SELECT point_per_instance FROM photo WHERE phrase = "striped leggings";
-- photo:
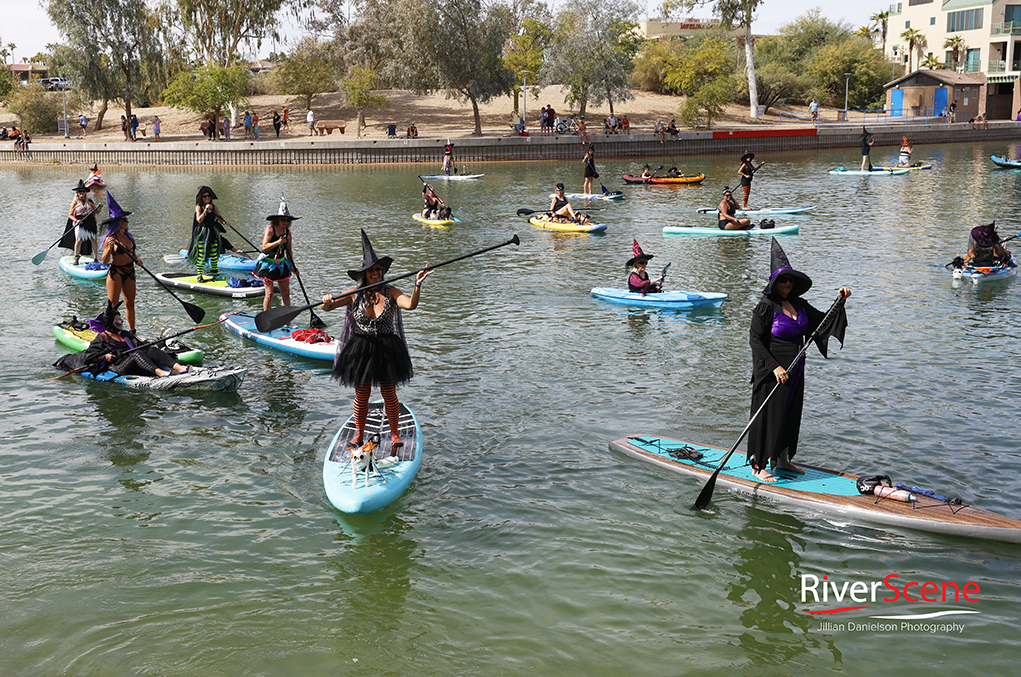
(390, 404)
(213, 255)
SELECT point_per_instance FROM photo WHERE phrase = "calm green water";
(168, 534)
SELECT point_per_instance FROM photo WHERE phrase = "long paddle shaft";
(38, 258)
(706, 494)
(653, 174)
(194, 312)
(314, 321)
(271, 319)
(528, 212)
(589, 163)
(250, 243)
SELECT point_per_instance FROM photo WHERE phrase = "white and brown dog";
(361, 460)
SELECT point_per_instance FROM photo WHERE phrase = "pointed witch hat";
(114, 209)
(369, 259)
(985, 236)
(639, 257)
(780, 266)
(283, 212)
(81, 187)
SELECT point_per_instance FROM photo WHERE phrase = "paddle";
(143, 345)
(528, 212)
(314, 321)
(38, 258)
(271, 319)
(194, 312)
(706, 494)
(648, 177)
(255, 247)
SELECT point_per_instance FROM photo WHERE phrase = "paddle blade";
(521, 212)
(515, 240)
(316, 322)
(705, 495)
(274, 318)
(38, 258)
(194, 312)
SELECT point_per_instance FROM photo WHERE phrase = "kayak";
(676, 300)
(197, 378)
(765, 211)
(439, 223)
(79, 339)
(80, 271)
(918, 166)
(346, 489)
(875, 172)
(1006, 163)
(979, 274)
(616, 195)
(690, 230)
(228, 261)
(452, 177)
(821, 490)
(669, 180)
(282, 339)
(218, 287)
(545, 223)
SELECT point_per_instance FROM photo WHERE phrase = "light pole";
(847, 83)
(63, 91)
(524, 100)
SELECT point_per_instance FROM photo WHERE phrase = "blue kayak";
(82, 270)
(282, 339)
(677, 300)
(357, 491)
(979, 274)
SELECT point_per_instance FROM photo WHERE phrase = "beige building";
(926, 93)
(658, 28)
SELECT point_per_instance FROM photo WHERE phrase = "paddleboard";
(546, 224)
(688, 230)
(452, 177)
(1006, 163)
(438, 223)
(665, 180)
(79, 339)
(820, 490)
(677, 300)
(979, 274)
(197, 378)
(874, 172)
(765, 211)
(912, 168)
(218, 287)
(79, 271)
(227, 261)
(616, 195)
(346, 490)
(243, 324)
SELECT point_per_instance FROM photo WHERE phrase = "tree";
(932, 62)
(524, 52)
(699, 67)
(127, 44)
(868, 67)
(882, 20)
(956, 44)
(868, 32)
(217, 28)
(915, 38)
(358, 89)
(457, 46)
(209, 90)
(312, 68)
(778, 84)
(708, 103)
(733, 14)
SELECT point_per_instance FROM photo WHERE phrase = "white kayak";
(452, 177)
(691, 230)
(765, 211)
(979, 274)
(616, 195)
(875, 172)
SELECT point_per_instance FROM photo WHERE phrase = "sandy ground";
(435, 115)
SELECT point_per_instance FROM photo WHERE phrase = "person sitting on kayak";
(985, 249)
(638, 280)
(727, 210)
(433, 203)
(560, 208)
(674, 173)
(112, 350)
(646, 172)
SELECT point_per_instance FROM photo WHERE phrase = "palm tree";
(882, 19)
(956, 44)
(914, 38)
(869, 33)
(931, 62)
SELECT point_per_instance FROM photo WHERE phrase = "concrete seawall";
(335, 151)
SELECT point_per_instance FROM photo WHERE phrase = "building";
(656, 29)
(989, 33)
(25, 72)
(927, 92)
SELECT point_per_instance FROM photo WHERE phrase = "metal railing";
(924, 115)
(1005, 28)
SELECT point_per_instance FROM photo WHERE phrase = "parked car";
(55, 84)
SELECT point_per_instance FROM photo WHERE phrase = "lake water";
(163, 533)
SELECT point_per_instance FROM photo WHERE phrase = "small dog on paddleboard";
(361, 460)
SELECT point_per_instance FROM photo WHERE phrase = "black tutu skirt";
(383, 359)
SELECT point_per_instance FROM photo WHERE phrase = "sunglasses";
(785, 279)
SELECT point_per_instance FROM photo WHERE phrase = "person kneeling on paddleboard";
(434, 206)
(638, 281)
(372, 349)
(561, 210)
(985, 249)
(780, 323)
(728, 210)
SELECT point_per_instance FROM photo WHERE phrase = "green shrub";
(37, 109)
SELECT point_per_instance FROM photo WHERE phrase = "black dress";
(373, 348)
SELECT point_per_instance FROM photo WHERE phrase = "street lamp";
(847, 83)
(63, 90)
(524, 100)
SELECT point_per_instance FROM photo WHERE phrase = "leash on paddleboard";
(274, 318)
(706, 494)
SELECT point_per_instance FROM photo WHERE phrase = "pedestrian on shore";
(310, 118)
(255, 126)
(83, 122)
(672, 130)
(248, 125)
(660, 131)
(583, 131)
(226, 128)
(124, 128)
(551, 119)
(156, 127)
(134, 127)
(813, 108)
(286, 118)
(276, 123)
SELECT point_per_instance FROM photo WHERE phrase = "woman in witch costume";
(277, 265)
(372, 348)
(207, 240)
(119, 253)
(985, 249)
(638, 281)
(81, 231)
(780, 324)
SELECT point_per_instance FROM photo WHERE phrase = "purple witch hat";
(985, 236)
(114, 209)
(779, 265)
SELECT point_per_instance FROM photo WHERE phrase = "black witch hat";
(369, 259)
(81, 187)
(779, 265)
(639, 255)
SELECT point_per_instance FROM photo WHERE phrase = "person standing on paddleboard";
(278, 263)
(590, 169)
(638, 281)
(119, 253)
(780, 323)
(81, 224)
(747, 171)
(866, 149)
(372, 350)
(207, 240)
